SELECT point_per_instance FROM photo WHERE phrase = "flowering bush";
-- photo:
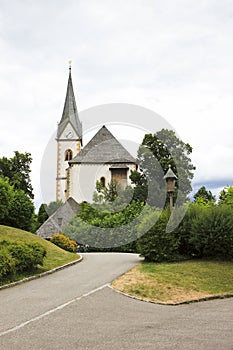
(64, 242)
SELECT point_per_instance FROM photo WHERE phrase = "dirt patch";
(140, 285)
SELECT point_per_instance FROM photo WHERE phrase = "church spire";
(70, 113)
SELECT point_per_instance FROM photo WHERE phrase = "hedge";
(17, 257)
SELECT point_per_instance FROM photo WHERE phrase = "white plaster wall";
(63, 145)
(83, 179)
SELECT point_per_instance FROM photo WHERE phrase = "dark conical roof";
(103, 148)
(70, 112)
(170, 174)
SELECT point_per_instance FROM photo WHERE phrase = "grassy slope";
(177, 282)
(55, 256)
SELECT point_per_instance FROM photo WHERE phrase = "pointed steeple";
(70, 112)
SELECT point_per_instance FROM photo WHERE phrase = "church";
(102, 159)
(80, 166)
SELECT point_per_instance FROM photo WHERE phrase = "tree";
(53, 206)
(202, 195)
(46, 210)
(226, 195)
(17, 170)
(21, 210)
(108, 193)
(6, 194)
(156, 153)
(42, 214)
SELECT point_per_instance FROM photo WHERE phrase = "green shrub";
(158, 245)
(105, 225)
(26, 256)
(7, 263)
(212, 232)
(64, 242)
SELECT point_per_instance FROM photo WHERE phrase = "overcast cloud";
(173, 57)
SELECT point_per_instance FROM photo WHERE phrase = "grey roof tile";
(103, 148)
(67, 211)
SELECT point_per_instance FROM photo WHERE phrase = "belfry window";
(68, 154)
(102, 181)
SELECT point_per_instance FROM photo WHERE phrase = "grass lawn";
(55, 256)
(177, 282)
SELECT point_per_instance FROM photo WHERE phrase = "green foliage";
(141, 189)
(202, 195)
(212, 232)
(7, 263)
(17, 170)
(156, 244)
(16, 208)
(105, 225)
(53, 206)
(26, 256)
(64, 242)
(21, 210)
(45, 211)
(17, 257)
(207, 232)
(6, 194)
(108, 193)
(156, 153)
(42, 214)
(226, 196)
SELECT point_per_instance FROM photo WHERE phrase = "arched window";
(68, 154)
(102, 181)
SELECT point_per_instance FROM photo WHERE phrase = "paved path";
(75, 309)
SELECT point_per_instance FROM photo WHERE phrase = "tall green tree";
(204, 195)
(157, 152)
(17, 170)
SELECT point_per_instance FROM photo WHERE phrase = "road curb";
(41, 274)
(187, 302)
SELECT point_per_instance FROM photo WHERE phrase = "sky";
(174, 57)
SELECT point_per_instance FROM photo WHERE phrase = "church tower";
(69, 140)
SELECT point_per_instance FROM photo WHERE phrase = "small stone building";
(59, 219)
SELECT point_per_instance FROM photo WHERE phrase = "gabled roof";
(70, 113)
(103, 148)
(67, 211)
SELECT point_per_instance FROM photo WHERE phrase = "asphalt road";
(75, 309)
